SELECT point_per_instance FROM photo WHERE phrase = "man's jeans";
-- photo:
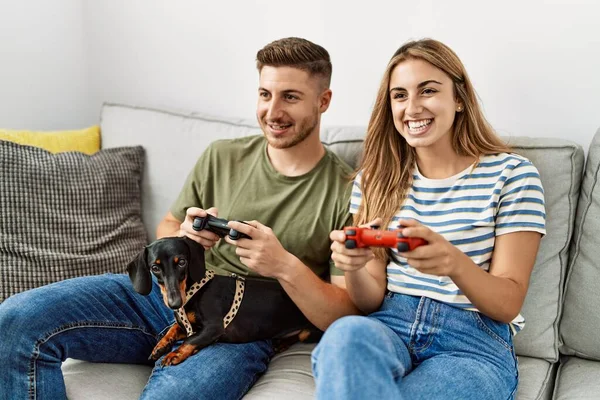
(416, 348)
(102, 319)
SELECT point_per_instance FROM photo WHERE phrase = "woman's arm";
(499, 293)
(366, 286)
(365, 275)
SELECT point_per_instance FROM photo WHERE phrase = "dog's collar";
(235, 306)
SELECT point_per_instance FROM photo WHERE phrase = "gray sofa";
(559, 349)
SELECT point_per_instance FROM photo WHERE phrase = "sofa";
(559, 348)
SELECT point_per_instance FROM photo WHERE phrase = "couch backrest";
(580, 325)
(560, 163)
(174, 140)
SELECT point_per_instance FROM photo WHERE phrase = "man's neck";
(299, 159)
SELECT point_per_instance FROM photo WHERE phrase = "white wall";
(534, 63)
(43, 82)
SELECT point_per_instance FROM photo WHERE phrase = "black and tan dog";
(211, 308)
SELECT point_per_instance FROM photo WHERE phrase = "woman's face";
(423, 104)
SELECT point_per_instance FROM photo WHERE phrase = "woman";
(440, 317)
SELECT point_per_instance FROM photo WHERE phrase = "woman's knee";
(349, 335)
(352, 328)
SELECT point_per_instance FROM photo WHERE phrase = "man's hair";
(297, 53)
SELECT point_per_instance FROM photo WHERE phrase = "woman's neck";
(441, 163)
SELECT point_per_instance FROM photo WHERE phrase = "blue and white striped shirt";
(501, 194)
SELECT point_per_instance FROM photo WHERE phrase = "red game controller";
(357, 237)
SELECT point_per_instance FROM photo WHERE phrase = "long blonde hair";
(388, 161)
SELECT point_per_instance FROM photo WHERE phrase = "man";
(290, 189)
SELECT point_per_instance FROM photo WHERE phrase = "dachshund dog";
(210, 307)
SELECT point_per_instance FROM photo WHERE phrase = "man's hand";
(263, 254)
(205, 237)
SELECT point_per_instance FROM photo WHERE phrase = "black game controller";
(218, 226)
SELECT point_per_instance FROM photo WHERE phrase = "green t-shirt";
(237, 178)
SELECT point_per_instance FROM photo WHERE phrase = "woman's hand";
(349, 260)
(439, 257)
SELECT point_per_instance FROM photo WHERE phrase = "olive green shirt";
(237, 178)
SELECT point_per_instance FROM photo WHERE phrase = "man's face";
(290, 103)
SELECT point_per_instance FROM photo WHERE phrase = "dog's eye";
(155, 268)
(182, 262)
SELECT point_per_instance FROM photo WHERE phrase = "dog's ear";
(196, 264)
(139, 273)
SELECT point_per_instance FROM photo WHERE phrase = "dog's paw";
(180, 355)
(158, 352)
(173, 358)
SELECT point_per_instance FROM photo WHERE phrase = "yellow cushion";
(85, 140)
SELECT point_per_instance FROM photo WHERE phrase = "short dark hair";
(297, 53)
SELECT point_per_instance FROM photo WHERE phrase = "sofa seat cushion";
(289, 376)
(577, 379)
(93, 381)
(536, 379)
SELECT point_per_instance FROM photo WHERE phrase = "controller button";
(351, 232)
(402, 247)
(350, 244)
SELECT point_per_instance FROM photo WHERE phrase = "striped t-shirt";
(501, 194)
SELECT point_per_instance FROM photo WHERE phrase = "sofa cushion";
(577, 379)
(581, 320)
(560, 163)
(536, 379)
(289, 376)
(67, 214)
(92, 381)
(84, 140)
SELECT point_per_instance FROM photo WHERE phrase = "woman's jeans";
(416, 348)
(102, 319)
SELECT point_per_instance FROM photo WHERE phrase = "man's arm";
(321, 302)
(169, 226)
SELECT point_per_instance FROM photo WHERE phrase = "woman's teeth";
(418, 126)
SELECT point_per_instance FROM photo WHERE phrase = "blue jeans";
(102, 319)
(416, 348)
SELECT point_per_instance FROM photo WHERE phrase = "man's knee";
(16, 321)
(9, 313)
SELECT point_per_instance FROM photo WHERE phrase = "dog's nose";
(175, 304)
